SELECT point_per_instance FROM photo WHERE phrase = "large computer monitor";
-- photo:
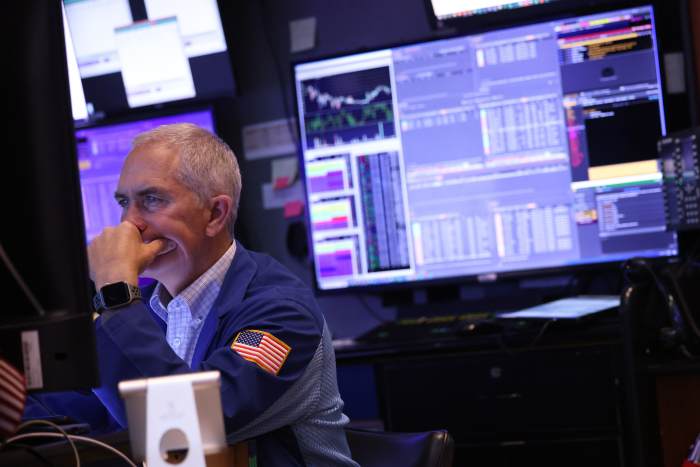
(50, 336)
(140, 53)
(522, 149)
(452, 9)
(481, 15)
(101, 153)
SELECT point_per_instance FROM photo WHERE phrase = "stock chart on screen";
(348, 107)
(532, 147)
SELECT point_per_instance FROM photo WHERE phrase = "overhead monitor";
(517, 150)
(101, 154)
(448, 9)
(146, 52)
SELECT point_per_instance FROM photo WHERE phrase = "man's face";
(160, 206)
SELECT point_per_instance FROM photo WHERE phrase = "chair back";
(386, 449)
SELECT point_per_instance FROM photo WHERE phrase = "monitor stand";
(172, 426)
(177, 419)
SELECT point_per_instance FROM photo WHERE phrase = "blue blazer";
(295, 416)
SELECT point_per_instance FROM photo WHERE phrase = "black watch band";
(115, 295)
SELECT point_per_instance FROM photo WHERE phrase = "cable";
(32, 450)
(683, 305)
(679, 316)
(57, 427)
(73, 438)
(691, 331)
(503, 345)
(23, 285)
(38, 400)
(690, 259)
(280, 75)
(541, 332)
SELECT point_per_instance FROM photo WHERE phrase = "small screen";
(136, 53)
(567, 308)
(101, 154)
(524, 148)
(448, 9)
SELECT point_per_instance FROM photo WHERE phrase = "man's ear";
(219, 214)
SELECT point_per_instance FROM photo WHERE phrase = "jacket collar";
(235, 285)
(233, 289)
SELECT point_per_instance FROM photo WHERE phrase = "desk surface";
(91, 455)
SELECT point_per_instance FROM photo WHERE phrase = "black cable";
(688, 318)
(278, 70)
(511, 351)
(20, 281)
(30, 449)
(73, 439)
(53, 425)
(504, 346)
(690, 259)
(41, 403)
(540, 333)
(678, 312)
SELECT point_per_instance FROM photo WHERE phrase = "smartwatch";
(115, 295)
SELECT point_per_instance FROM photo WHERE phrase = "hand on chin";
(161, 259)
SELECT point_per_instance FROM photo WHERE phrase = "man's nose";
(132, 215)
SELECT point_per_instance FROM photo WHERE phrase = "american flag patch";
(13, 394)
(261, 348)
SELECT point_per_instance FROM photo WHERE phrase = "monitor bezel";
(151, 113)
(100, 115)
(485, 278)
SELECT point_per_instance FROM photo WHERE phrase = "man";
(216, 306)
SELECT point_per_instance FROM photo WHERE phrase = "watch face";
(115, 294)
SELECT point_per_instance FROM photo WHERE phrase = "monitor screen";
(137, 53)
(518, 149)
(77, 96)
(449, 9)
(101, 153)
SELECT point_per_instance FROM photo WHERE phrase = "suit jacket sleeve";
(131, 344)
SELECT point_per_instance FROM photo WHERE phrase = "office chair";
(386, 449)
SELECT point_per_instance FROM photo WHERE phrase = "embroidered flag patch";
(13, 395)
(261, 348)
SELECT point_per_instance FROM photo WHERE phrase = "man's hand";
(119, 254)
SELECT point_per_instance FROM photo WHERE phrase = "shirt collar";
(200, 295)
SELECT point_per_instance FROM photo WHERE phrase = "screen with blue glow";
(448, 9)
(518, 149)
(101, 154)
(138, 53)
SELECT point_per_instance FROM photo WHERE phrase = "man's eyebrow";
(151, 190)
